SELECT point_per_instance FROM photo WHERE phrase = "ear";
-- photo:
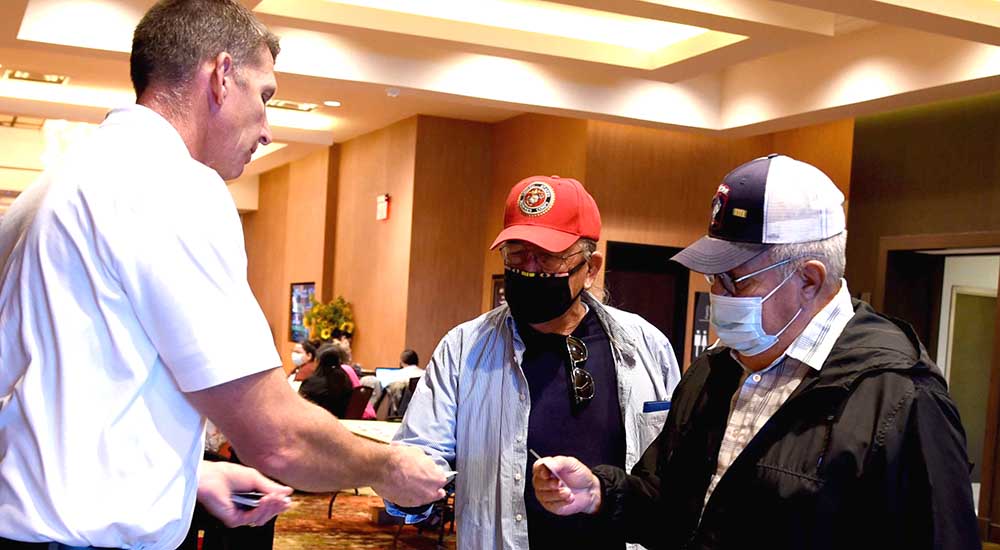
(221, 78)
(593, 268)
(813, 274)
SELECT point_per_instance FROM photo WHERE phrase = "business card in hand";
(250, 499)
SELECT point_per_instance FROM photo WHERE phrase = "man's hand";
(564, 486)
(219, 480)
(411, 478)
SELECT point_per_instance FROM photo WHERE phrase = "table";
(376, 430)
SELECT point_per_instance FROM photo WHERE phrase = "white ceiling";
(752, 66)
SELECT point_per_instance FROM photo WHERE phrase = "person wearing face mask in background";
(553, 370)
(304, 363)
(814, 422)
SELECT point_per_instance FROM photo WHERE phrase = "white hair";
(830, 251)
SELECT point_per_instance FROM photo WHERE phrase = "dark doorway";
(641, 279)
(913, 292)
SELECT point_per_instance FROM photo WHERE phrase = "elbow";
(276, 460)
(278, 463)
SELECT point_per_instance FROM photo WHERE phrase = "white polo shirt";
(123, 286)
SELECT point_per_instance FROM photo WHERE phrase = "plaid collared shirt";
(762, 393)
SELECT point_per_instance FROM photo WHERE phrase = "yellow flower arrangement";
(324, 320)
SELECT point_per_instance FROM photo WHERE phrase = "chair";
(355, 409)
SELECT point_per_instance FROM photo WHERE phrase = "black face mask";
(536, 298)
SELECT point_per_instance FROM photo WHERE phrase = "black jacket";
(868, 452)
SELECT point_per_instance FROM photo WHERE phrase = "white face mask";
(298, 359)
(739, 322)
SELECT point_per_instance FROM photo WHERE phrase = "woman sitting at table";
(330, 386)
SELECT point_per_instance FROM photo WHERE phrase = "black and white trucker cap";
(770, 200)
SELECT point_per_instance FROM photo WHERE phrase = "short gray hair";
(176, 36)
(832, 252)
(588, 246)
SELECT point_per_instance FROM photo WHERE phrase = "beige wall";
(285, 239)
(372, 258)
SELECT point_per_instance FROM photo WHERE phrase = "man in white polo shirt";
(126, 317)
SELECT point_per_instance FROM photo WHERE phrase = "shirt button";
(517, 439)
(523, 397)
(518, 517)
(756, 378)
(517, 477)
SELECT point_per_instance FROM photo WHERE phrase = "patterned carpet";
(305, 526)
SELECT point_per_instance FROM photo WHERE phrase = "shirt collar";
(814, 344)
(153, 122)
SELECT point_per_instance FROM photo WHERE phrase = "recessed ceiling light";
(17, 74)
(332, 103)
(292, 105)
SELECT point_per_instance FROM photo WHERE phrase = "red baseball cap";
(550, 212)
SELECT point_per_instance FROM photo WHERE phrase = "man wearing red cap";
(554, 371)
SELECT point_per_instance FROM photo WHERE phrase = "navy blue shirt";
(593, 432)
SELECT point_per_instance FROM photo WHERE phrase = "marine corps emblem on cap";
(536, 199)
(718, 205)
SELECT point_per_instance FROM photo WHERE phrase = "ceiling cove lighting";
(547, 18)
(292, 105)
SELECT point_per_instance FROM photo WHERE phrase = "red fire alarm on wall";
(382, 207)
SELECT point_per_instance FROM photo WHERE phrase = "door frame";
(989, 493)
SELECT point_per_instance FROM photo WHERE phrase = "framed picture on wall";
(498, 292)
(301, 301)
(699, 329)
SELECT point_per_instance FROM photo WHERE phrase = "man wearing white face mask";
(814, 422)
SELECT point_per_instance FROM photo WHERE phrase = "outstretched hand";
(564, 486)
(219, 480)
(411, 478)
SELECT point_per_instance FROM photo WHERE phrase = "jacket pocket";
(650, 425)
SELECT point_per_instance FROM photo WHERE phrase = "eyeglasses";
(729, 283)
(516, 256)
(580, 380)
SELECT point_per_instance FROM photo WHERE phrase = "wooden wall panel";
(656, 186)
(451, 187)
(285, 239)
(825, 146)
(371, 262)
(264, 232)
(932, 169)
(523, 146)
(330, 223)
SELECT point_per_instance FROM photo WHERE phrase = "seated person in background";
(304, 359)
(391, 401)
(409, 365)
(343, 339)
(330, 386)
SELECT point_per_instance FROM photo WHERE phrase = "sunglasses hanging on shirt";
(581, 381)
